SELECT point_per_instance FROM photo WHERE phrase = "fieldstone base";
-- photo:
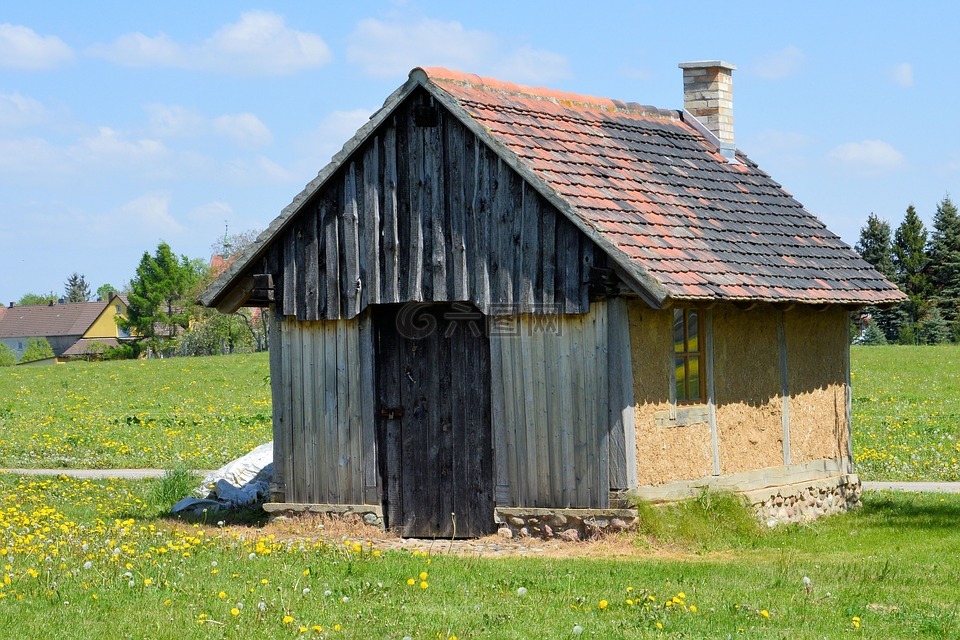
(370, 514)
(566, 524)
(803, 502)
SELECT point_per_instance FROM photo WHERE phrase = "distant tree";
(76, 288)
(871, 335)
(104, 291)
(875, 247)
(911, 263)
(7, 357)
(159, 294)
(232, 244)
(944, 253)
(37, 349)
(933, 329)
(28, 299)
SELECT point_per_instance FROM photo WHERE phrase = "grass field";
(84, 559)
(201, 412)
(906, 412)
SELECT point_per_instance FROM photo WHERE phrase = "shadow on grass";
(916, 511)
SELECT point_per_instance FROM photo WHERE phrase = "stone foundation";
(565, 524)
(370, 514)
(807, 501)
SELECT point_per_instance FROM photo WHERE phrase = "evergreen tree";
(945, 262)
(911, 263)
(76, 288)
(158, 297)
(874, 245)
(933, 329)
(876, 248)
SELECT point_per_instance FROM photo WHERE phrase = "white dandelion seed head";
(806, 581)
(87, 565)
(577, 629)
(522, 591)
(327, 593)
(262, 605)
(306, 590)
(131, 583)
(345, 599)
(213, 564)
(252, 556)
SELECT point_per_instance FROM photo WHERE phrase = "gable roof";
(649, 186)
(42, 320)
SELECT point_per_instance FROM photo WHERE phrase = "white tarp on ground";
(236, 484)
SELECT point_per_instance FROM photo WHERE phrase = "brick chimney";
(708, 96)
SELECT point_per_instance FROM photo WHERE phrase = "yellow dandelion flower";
(222, 595)
(423, 584)
(693, 608)
(317, 628)
(287, 619)
(234, 611)
(336, 627)
(306, 572)
(423, 575)
(764, 613)
(602, 605)
(411, 581)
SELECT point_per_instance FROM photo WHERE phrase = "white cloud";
(260, 43)
(868, 156)
(212, 212)
(175, 121)
(385, 49)
(111, 146)
(774, 65)
(150, 212)
(245, 129)
(17, 111)
(902, 74)
(22, 48)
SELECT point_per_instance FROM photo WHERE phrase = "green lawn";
(201, 412)
(84, 559)
(906, 412)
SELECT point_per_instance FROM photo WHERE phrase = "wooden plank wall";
(562, 409)
(324, 442)
(426, 212)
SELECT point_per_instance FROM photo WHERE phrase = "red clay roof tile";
(663, 195)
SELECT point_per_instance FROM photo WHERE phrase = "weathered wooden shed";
(500, 303)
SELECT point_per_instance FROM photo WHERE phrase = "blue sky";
(132, 123)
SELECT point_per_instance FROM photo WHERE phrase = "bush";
(37, 349)
(7, 357)
(176, 484)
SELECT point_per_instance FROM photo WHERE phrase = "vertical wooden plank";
(456, 185)
(480, 211)
(553, 405)
(548, 259)
(391, 238)
(526, 407)
(568, 263)
(711, 397)
(330, 412)
(413, 262)
(311, 265)
(848, 463)
(586, 266)
(370, 264)
(321, 453)
(784, 387)
(351, 246)
(368, 408)
(343, 419)
(307, 442)
(566, 363)
(578, 379)
(623, 455)
(331, 247)
(436, 213)
(289, 273)
(516, 479)
(501, 238)
(354, 411)
(601, 397)
(538, 365)
(297, 402)
(281, 424)
(504, 494)
(529, 249)
(387, 350)
(443, 383)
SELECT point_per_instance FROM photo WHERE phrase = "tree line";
(163, 317)
(926, 267)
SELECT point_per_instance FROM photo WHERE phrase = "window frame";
(686, 354)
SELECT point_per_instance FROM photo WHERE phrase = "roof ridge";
(439, 75)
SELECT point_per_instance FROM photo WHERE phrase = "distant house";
(74, 329)
(508, 306)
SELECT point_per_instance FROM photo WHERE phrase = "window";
(689, 360)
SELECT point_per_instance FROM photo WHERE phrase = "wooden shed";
(506, 304)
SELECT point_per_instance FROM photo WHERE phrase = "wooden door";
(434, 435)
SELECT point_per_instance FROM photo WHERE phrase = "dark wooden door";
(434, 435)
